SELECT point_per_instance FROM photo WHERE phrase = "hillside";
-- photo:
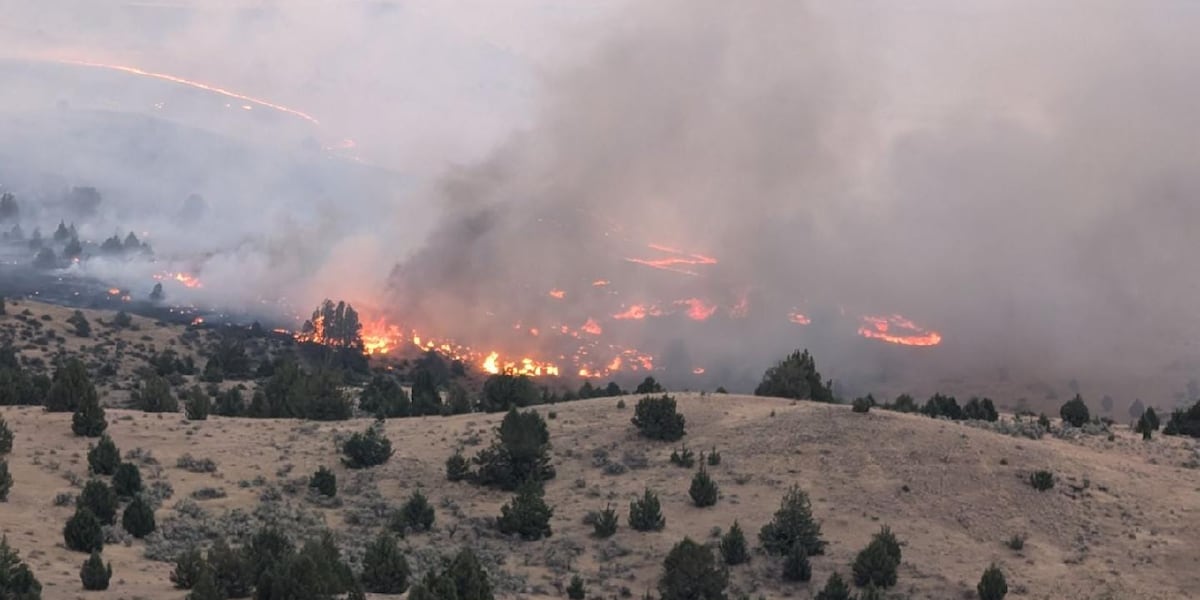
(1123, 522)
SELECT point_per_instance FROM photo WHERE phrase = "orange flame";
(676, 261)
(698, 310)
(637, 312)
(592, 327)
(799, 318)
(880, 328)
(188, 281)
(557, 293)
(600, 282)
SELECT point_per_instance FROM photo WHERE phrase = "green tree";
(94, 573)
(703, 490)
(604, 523)
(17, 581)
(1075, 412)
(324, 481)
(127, 481)
(155, 396)
(425, 397)
(70, 388)
(189, 566)
(384, 569)
(6, 437)
(83, 532)
(657, 419)
(527, 514)
(367, 449)
(875, 565)
(835, 589)
(383, 397)
(417, 514)
(469, 577)
(458, 467)
(197, 404)
(6, 481)
(733, 546)
(796, 566)
(690, 572)
(100, 499)
(796, 377)
(1151, 418)
(649, 386)
(80, 322)
(232, 571)
(205, 587)
(980, 409)
(138, 518)
(1041, 480)
(992, 585)
(505, 391)
(520, 452)
(576, 591)
(88, 420)
(104, 457)
(940, 405)
(230, 403)
(793, 525)
(645, 513)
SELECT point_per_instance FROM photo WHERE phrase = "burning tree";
(336, 326)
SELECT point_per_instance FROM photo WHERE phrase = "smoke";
(1018, 176)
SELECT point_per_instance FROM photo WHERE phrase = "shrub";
(88, 420)
(876, 564)
(690, 572)
(367, 449)
(232, 571)
(1041, 480)
(835, 589)
(206, 587)
(417, 514)
(384, 569)
(83, 532)
(104, 457)
(649, 386)
(520, 452)
(17, 581)
(904, 403)
(188, 567)
(703, 489)
(604, 523)
(1074, 412)
(196, 465)
(1016, 542)
(657, 419)
(733, 546)
(266, 548)
(980, 409)
(861, 405)
(94, 574)
(714, 457)
(992, 585)
(684, 457)
(155, 396)
(940, 405)
(576, 591)
(796, 377)
(197, 404)
(527, 514)
(506, 391)
(6, 481)
(458, 467)
(871, 593)
(6, 437)
(383, 397)
(796, 566)
(889, 542)
(1151, 418)
(138, 518)
(127, 481)
(793, 525)
(645, 513)
(1144, 427)
(324, 481)
(100, 499)
(230, 404)
(1044, 422)
(70, 387)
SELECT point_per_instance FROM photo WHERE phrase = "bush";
(197, 404)
(656, 418)
(88, 420)
(100, 499)
(127, 481)
(188, 567)
(1144, 427)
(940, 405)
(862, 405)
(83, 532)
(367, 449)
(795, 377)
(324, 481)
(992, 585)
(793, 525)
(980, 409)
(905, 404)
(138, 518)
(645, 513)
(1074, 412)
(690, 572)
(1184, 422)
(527, 514)
(506, 391)
(232, 571)
(104, 457)
(703, 490)
(649, 386)
(604, 523)
(1041, 480)
(94, 574)
(383, 397)
(6, 481)
(230, 404)
(70, 388)
(196, 465)
(796, 566)
(1151, 418)
(733, 546)
(155, 396)
(206, 587)
(683, 457)
(576, 591)
(458, 467)
(1016, 542)
(714, 457)
(6, 437)
(876, 564)
(835, 589)
(384, 569)
(520, 452)
(417, 514)
(17, 581)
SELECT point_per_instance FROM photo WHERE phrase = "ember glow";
(799, 318)
(188, 281)
(637, 312)
(558, 294)
(592, 327)
(697, 309)
(896, 329)
(675, 260)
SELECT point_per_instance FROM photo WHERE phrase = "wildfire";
(592, 327)
(677, 261)
(526, 366)
(188, 281)
(558, 294)
(896, 329)
(600, 282)
(799, 318)
(697, 309)
(637, 312)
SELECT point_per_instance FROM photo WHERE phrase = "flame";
(526, 366)
(197, 321)
(113, 291)
(697, 309)
(188, 281)
(557, 293)
(910, 334)
(637, 312)
(799, 318)
(601, 282)
(698, 371)
(676, 261)
(195, 84)
(592, 327)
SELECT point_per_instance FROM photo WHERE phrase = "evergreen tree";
(604, 523)
(980, 409)
(100, 499)
(231, 570)
(690, 572)
(576, 591)
(155, 396)
(703, 489)
(506, 391)
(1151, 419)
(83, 532)
(425, 397)
(189, 566)
(520, 452)
(383, 397)
(156, 294)
(6, 437)
(205, 587)
(992, 585)
(648, 386)
(458, 467)
(138, 518)
(835, 589)
(527, 514)
(1075, 412)
(324, 481)
(104, 457)
(796, 377)
(45, 259)
(127, 481)
(796, 566)
(88, 420)
(197, 404)
(793, 525)
(469, 578)
(94, 573)
(230, 404)
(71, 388)
(657, 419)
(17, 581)
(417, 514)
(940, 405)
(384, 569)
(367, 449)
(733, 546)
(6, 481)
(645, 513)
(875, 565)
(267, 547)
(459, 403)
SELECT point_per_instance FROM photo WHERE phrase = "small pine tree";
(1041, 480)
(197, 404)
(127, 481)
(1152, 418)
(70, 388)
(645, 513)
(6, 481)
(17, 581)
(733, 546)
(703, 490)
(714, 457)
(835, 589)
(520, 452)
(1143, 427)
(417, 514)
(876, 565)
(367, 449)
(690, 572)
(94, 573)
(527, 514)
(188, 568)
(683, 457)
(576, 591)
(604, 523)
(6, 435)
(206, 587)
(138, 518)
(83, 532)
(458, 467)
(871, 593)
(796, 566)
(1074, 412)
(324, 482)
(231, 570)
(657, 419)
(104, 457)
(992, 585)
(384, 569)
(792, 525)
(88, 420)
(100, 499)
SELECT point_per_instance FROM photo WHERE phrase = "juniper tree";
(206, 588)
(604, 523)
(796, 566)
(835, 589)
(94, 573)
(645, 513)
(6, 437)
(703, 489)
(458, 467)
(138, 518)
(793, 525)
(88, 420)
(104, 457)
(417, 514)
(876, 564)
(231, 570)
(733, 546)
(127, 481)
(155, 396)
(690, 572)
(796, 377)
(520, 452)
(189, 565)
(83, 532)
(527, 514)
(383, 397)
(324, 482)
(17, 581)
(230, 403)
(367, 449)
(197, 404)
(70, 387)
(992, 585)
(658, 419)
(384, 571)
(6, 481)
(1074, 412)
(576, 591)
(100, 499)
